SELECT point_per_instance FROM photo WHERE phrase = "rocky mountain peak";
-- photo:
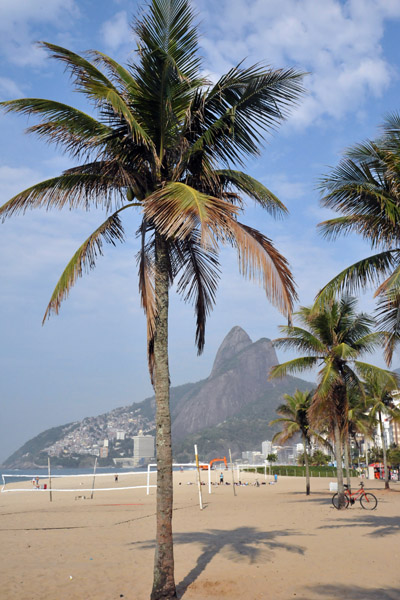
(233, 343)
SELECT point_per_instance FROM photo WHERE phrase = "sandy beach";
(267, 542)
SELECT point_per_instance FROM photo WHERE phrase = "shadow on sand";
(243, 543)
(379, 526)
(354, 592)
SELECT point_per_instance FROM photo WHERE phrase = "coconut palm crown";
(294, 420)
(365, 190)
(162, 140)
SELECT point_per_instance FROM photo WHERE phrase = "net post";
(209, 479)
(94, 477)
(148, 479)
(233, 476)
(49, 470)
(198, 476)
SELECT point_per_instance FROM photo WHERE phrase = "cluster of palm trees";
(351, 397)
(162, 140)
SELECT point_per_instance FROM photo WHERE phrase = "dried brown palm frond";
(145, 260)
(259, 259)
(178, 209)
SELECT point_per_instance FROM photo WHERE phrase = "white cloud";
(116, 32)
(13, 180)
(281, 186)
(18, 22)
(8, 88)
(338, 43)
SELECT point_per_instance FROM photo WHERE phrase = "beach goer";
(276, 477)
(221, 478)
(37, 481)
(116, 478)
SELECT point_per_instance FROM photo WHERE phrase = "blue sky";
(91, 358)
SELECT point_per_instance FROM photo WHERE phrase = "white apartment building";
(143, 448)
(266, 448)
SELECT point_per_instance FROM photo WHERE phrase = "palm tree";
(378, 388)
(332, 338)
(358, 422)
(295, 420)
(365, 190)
(164, 143)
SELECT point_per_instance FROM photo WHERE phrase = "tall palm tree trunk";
(163, 582)
(307, 465)
(385, 466)
(339, 468)
(347, 460)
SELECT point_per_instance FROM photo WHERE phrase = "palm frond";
(328, 377)
(243, 105)
(258, 258)
(199, 269)
(84, 259)
(252, 188)
(178, 209)
(167, 70)
(168, 32)
(383, 376)
(388, 318)
(372, 227)
(299, 339)
(297, 365)
(368, 271)
(145, 261)
(96, 86)
(79, 190)
(344, 351)
(290, 429)
(122, 77)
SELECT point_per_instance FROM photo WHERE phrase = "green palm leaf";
(252, 188)
(299, 339)
(72, 190)
(297, 365)
(328, 377)
(367, 271)
(94, 84)
(84, 259)
(240, 107)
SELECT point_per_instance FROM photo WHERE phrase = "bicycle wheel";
(335, 501)
(368, 501)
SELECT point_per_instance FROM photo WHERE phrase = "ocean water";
(55, 472)
(43, 473)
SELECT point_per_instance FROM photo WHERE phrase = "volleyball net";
(86, 482)
(78, 483)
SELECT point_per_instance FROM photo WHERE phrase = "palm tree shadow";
(243, 543)
(354, 592)
(379, 526)
(314, 497)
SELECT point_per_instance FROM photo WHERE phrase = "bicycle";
(367, 500)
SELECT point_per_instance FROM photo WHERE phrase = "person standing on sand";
(221, 478)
